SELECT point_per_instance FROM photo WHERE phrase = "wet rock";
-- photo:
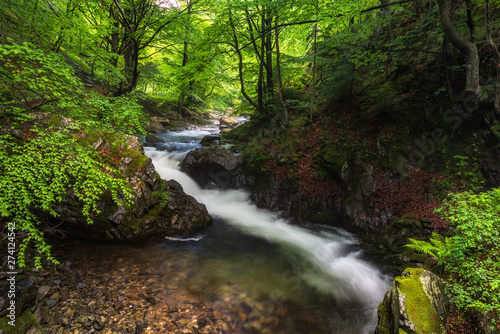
(284, 196)
(415, 289)
(25, 294)
(157, 209)
(161, 120)
(227, 123)
(154, 127)
(154, 139)
(209, 139)
(212, 167)
(43, 292)
(98, 324)
(176, 125)
(360, 184)
(51, 302)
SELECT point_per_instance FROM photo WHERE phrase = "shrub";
(470, 257)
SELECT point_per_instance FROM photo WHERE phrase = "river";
(319, 272)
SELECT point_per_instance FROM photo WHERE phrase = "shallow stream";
(263, 273)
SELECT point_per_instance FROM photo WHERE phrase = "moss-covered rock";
(416, 304)
(19, 319)
(23, 323)
(145, 215)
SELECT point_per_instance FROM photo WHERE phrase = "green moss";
(334, 159)
(54, 120)
(22, 324)
(202, 121)
(91, 137)
(418, 306)
(138, 162)
(386, 319)
(111, 137)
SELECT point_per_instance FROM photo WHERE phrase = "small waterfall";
(333, 265)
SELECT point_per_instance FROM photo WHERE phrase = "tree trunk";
(278, 73)
(185, 57)
(240, 64)
(260, 82)
(470, 22)
(131, 58)
(269, 58)
(460, 42)
(387, 13)
(497, 55)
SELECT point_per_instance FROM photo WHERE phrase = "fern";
(437, 247)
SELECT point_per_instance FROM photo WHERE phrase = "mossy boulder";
(23, 323)
(212, 167)
(415, 304)
(25, 301)
(157, 208)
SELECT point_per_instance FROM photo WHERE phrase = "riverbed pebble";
(114, 296)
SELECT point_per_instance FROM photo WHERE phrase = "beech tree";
(469, 49)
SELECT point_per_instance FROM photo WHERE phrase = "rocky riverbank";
(139, 291)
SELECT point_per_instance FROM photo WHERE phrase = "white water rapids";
(334, 264)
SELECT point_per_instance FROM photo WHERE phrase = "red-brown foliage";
(304, 172)
(456, 324)
(410, 197)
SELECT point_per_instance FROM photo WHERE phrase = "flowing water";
(317, 271)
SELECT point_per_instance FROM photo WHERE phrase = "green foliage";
(40, 167)
(34, 80)
(163, 197)
(471, 257)
(473, 263)
(123, 112)
(467, 171)
(40, 172)
(437, 245)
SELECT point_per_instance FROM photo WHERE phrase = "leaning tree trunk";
(497, 55)
(460, 42)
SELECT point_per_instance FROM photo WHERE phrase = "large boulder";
(416, 304)
(18, 318)
(209, 140)
(154, 139)
(214, 167)
(158, 207)
(157, 125)
(227, 123)
(284, 195)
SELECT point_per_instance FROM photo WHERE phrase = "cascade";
(325, 260)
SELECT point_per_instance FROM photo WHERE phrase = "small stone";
(51, 302)
(81, 319)
(43, 291)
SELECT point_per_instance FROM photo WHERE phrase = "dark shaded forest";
(407, 90)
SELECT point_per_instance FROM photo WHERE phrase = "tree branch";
(385, 5)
